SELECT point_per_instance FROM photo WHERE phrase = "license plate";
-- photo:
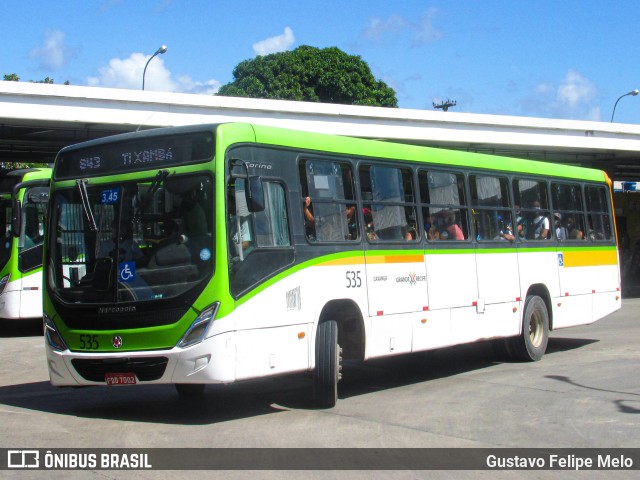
(120, 378)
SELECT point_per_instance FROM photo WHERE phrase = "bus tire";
(190, 390)
(531, 344)
(328, 365)
(501, 349)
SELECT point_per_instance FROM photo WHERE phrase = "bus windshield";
(143, 240)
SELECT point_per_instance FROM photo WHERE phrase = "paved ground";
(584, 393)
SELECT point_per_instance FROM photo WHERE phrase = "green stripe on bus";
(428, 155)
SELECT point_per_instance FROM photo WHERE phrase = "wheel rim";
(536, 327)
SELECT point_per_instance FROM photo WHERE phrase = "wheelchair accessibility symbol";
(560, 260)
(127, 271)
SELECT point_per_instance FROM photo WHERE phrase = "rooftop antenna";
(444, 105)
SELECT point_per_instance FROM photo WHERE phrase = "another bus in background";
(24, 194)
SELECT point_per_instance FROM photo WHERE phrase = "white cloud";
(279, 43)
(378, 27)
(425, 32)
(575, 97)
(576, 90)
(188, 85)
(53, 53)
(422, 31)
(127, 73)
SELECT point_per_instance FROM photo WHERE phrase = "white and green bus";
(222, 253)
(24, 194)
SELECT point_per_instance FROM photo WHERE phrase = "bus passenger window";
(389, 202)
(598, 215)
(272, 224)
(328, 201)
(443, 212)
(534, 216)
(491, 208)
(241, 237)
(569, 210)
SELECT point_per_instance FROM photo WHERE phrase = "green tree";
(312, 75)
(46, 80)
(13, 77)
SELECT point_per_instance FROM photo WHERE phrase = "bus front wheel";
(328, 365)
(532, 343)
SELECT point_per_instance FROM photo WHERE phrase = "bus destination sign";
(133, 155)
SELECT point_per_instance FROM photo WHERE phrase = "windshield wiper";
(157, 181)
(86, 206)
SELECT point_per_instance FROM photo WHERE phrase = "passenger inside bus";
(520, 224)
(574, 233)
(349, 219)
(429, 227)
(450, 229)
(506, 232)
(540, 223)
(562, 233)
(309, 221)
(368, 224)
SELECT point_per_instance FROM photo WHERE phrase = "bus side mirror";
(16, 218)
(255, 194)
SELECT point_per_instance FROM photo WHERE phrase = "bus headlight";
(3, 282)
(199, 327)
(54, 339)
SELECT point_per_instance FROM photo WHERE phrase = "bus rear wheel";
(531, 344)
(328, 365)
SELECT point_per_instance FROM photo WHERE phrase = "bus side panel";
(395, 284)
(272, 351)
(586, 272)
(390, 335)
(538, 268)
(606, 303)
(573, 310)
(576, 280)
(432, 329)
(466, 325)
(272, 331)
(10, 301)
(31, 298)
(275, 329)
(501, 320)
(498, 280)
(451, 278)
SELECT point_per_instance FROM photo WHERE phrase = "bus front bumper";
(210, 361)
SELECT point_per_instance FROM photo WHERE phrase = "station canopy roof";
(37, 120)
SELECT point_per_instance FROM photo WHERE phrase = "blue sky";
(566, 59)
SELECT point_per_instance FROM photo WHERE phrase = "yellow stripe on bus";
(373, 259)
(342, 261)
(572, 258)
(395, 259)
(590, 258)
